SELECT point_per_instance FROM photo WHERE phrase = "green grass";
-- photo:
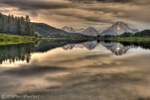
(70, 38)
(128, 39)
(6, 39)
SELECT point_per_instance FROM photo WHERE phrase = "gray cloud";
(32, 70)
(94, 23)
(133, 2)
(84, 17)
(103, 1)
(35, 4)
(83, 12)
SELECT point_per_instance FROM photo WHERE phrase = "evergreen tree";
(16, 25)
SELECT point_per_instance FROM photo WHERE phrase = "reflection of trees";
(144, 45)
(46, 45)
(18, 52)
(123, 47)
(21, 52)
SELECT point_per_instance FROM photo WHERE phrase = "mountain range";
(48, 31)
(90, 31)
(116, 29)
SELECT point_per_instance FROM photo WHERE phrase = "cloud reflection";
(81, 74)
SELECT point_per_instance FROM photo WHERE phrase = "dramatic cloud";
(35, 4)
(25, 71)
(97, 13)
(103, 1)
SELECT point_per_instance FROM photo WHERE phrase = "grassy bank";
(70, 38)
(127, 39)
(6, 39)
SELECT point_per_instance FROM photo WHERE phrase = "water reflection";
(18, 52)
(21, 52)
(79, 71)
(116, 48)
(90, 45)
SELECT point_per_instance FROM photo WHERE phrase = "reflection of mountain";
(69, 46)
(22, 52)
(89, 45)
(45, 45)
(117, 48)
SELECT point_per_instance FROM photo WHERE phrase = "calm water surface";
(93, 70)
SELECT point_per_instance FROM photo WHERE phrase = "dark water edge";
(23, 51)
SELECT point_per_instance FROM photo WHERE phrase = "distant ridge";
(48, 31)
(69, 29)
(90, 31)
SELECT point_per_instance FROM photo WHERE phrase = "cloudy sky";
(81, 13)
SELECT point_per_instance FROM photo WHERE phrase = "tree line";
(16, 25)
(144, 33)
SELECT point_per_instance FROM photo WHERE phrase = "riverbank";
(6, 39)
(70, 38)
(127, 39)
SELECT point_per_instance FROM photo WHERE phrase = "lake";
(75, 70)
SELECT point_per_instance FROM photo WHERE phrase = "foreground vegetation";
(6, 39)
(16, 30)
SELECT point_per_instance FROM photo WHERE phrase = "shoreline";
(126, 39)
(8, 39)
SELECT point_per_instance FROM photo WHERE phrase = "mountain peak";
(91, 28)
(91, 31)
(69, 29)
(119, 28)
(120, 23)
